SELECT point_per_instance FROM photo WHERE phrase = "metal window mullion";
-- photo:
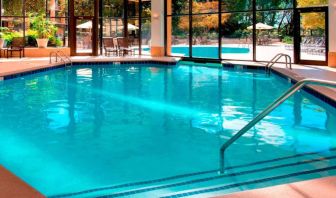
(165, 27)
(24, 21)
(254, 34)
(140, 28)
(101, 26)
(190, 28)
(220, 29)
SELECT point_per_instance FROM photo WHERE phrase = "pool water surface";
(87, 127)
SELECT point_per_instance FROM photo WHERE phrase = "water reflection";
(171, 96)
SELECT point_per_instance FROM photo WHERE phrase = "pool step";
(233, 178)
(221, 189)
(196, 182)
(134, 185)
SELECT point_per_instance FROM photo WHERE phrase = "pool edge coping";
(14, 186)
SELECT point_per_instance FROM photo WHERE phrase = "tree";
(312, 21)
(203, 23)
(310, 3)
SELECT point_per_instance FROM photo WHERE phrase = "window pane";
(274, 34)
(178, 7)
(12, 7)
(15, 26)
(274, 4)
(35, 6)
(133, 8)
(178, 28)
(146, 9)
(113, 27)
(311, 3)
(204, 7)
(146, 35)
(205, 36)
(113, 8)
(84, 7)
(61, 37)
(146, 27)
(57, 8)
(133, 33)
(237, 36)
(236, 5)
(313, 36)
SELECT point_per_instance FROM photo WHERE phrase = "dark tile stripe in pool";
(18, 75)
(220, 188)
(142, 190)
(190, 174)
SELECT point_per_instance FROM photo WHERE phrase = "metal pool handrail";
(274, 60)
(268, 110)
(60, 54)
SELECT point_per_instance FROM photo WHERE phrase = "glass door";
(84, 36)
(313, 36)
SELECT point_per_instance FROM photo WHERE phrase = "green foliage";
(55, 41)
(10, 35)
(35, 6)
(84, 7)
(12, 7)
(288, 40)
(3, 31)
(43, 26)
(113, 8)
(31, 37)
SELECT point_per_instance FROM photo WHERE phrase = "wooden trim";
(332, 59)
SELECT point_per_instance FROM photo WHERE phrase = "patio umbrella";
(261, 26)
(129, 27)
(86, 25)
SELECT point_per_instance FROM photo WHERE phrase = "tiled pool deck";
(11, 186)
(324, 187)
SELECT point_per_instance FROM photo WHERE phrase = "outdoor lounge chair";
(17, 45)
(109, 47)
(124, 47)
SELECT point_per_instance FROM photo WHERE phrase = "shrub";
(288, 40)
(43, 26)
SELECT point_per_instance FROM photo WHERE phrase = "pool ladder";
(60, 55)
(268, 110)
(275, 59)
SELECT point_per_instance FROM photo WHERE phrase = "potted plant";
(44, 29)
(3, 32)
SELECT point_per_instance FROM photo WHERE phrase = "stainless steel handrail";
(59, 54)
(268, 110)
(275, 59)
(64, 55)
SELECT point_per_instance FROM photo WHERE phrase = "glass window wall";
(233, 29)
(16, 16)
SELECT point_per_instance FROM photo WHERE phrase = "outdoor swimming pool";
(103, 129)
(206, 51)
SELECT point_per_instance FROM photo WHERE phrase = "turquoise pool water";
(66, 131)
(206, 51)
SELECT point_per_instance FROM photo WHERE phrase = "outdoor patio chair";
(109, 46)
(124, 47)
(17, 45)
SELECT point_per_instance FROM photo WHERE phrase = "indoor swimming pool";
(143, 130)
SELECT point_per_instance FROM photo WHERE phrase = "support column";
(157, 28)
(332, 33)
